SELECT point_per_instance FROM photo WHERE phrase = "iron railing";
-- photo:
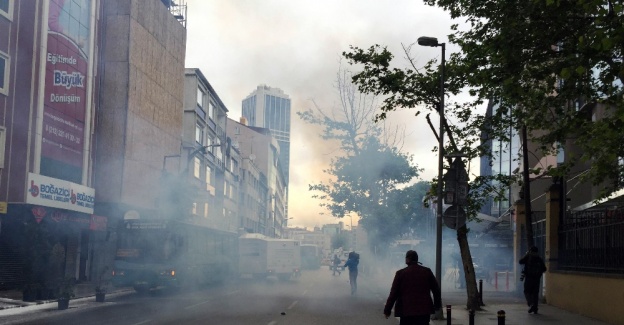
(592, 241)
(539, 231)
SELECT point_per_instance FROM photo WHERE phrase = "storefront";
(53, 235)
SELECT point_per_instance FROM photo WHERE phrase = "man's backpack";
(534, 267)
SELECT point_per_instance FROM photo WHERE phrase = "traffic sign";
(454, 217)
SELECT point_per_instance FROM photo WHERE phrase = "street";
(316, 297)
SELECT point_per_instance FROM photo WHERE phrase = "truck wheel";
(141, 289)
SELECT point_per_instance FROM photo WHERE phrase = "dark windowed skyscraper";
(269, 108)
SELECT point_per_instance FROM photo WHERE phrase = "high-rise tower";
(269, 108)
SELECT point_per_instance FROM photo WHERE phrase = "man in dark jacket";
(411, 293)
(534, 267)
(352, 264)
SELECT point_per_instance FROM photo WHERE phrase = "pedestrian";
(336, 265)
(411, 293)
(352, 264)
(534, 267)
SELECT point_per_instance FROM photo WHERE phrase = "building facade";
(261, 149)
(253, 187)
(48, 100)
(205, 151)
(270, 108)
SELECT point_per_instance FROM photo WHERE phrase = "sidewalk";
(13, 298)
(516, 313)
(504, 297)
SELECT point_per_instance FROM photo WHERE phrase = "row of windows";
(277, 113)
(204, 212)
(249, 110)
(201, 106)
(4, 74)
(5, 11)
(203, 140)
(229, 191)
(197, 171)
(5, 8)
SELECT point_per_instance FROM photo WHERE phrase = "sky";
(296, 46)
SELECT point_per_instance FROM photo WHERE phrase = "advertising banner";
(65, 94)
(56, 193)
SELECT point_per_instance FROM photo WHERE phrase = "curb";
(7, 303)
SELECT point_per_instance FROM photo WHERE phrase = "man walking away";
(352, 264)
(411, 293)
(534, 267)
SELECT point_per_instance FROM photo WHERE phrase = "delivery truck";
(261, 257)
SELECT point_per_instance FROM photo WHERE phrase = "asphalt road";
(316, 297)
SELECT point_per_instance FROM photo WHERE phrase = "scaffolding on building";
(177, 9)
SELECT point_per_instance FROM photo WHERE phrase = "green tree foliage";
(366, 175)
(339, 240)
(404, 215)
(545, 62)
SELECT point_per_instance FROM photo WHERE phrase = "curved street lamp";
(433, 42)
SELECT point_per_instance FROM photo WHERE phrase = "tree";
(339, 240)
(370, 167)
(544, 67)
(415, 88)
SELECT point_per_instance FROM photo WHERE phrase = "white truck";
(261, 256)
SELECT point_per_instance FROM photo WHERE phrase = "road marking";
(292, 305)
(304, 292)
(232, 292)
(143, 322)
(195, 305)
(272, 323)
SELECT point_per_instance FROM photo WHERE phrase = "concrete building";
(269, 108)
(205, 152)
(259, 146)
(140, 109)
(253, 186)
(48, 100)
(315, 237)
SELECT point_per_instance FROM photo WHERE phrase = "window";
(208, 175)
(200, 97)
(211, 111)
(194, 208)
(196, 170)
(200, 104)
(4, 73)
(205, 210)
(6, 8)
(199, 134)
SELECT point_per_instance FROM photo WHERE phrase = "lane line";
(272, 322)
(143, 322)
(232, 292)
(293, 304)
(304, 292)
(195, 305)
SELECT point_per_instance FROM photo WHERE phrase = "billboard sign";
(66, 75)
(57, 193)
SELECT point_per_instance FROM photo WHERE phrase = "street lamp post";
(433, 42)
(196, 151)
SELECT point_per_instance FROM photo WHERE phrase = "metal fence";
(539, 231)
(592, 241)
